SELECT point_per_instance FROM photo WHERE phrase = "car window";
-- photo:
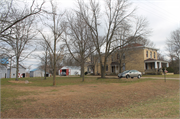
(131, 71)
(126, 71)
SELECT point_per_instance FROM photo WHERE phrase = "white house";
(38, 73)
(70, 70)
(21, 73)
(3, 67)
(3, 71)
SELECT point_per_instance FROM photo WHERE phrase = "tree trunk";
(82, 73)
(10, 68)
(45, 66)
(17, 67)
(54, 67)
(102, 71)
(120, 66)
(54, 71)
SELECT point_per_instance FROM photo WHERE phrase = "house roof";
(38, 69)
(4, 61)
(153, 60)
(35, 69)
(136, 45)
(71, 67)
(19, 66)
(133, 45)
(114, 63)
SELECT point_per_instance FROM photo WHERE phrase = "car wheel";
(139, 76)
(127, 76)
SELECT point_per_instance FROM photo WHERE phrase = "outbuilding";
(70, 70)
(11, 72)
(38, 73)
(3, 71)
(3, 67)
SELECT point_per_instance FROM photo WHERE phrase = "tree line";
(74, 34)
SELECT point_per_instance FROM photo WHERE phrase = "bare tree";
(19, 38)
(68, 60)
(173, 48)
(173, 44)
(54, 21)
(78, 40)
(6, 10)
(160, 56)
(44, 49)
(116, 16)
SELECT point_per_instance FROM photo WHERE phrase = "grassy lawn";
(60, 81)
(166, 106)
(93, 98)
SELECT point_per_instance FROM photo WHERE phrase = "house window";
(146, 53)
(123, 56)
(124, 66)
(154, 55)
(117, 56)
(13, 74)
(151, 54)
(106, 67)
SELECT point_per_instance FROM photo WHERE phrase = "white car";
(130, 73)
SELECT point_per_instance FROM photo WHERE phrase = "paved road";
(117, 77)
(141, 77)
(161, 78)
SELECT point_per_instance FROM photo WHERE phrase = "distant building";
(3, 67)
(70, 70)
(38, 73)
(132, 56)
(3, 71)
(12, 72)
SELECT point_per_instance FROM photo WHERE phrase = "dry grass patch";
(89, 100)
(25, 82)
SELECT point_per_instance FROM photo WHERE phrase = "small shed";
(38, 73)
(3, 67)
(12, 72)
(3, 71)
(70, 70)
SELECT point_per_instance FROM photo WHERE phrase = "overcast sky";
(162, 15)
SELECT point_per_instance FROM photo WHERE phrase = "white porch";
(152, 66)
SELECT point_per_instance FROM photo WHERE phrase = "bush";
(170, 70)
(86, 73)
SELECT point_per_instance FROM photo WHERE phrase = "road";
(161, 78)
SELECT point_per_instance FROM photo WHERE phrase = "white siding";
(13, 72)
(37, 73)
(72, 70)
(3, 72)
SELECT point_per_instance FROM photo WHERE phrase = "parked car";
(63, 73)
(130, 73)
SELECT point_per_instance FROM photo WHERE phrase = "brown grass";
(19, 81)
(86, 101)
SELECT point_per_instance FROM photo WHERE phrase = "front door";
(113, 69)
